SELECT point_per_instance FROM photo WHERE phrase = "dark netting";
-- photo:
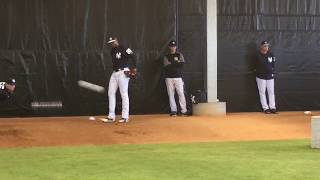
(49, 45)
(292, 27)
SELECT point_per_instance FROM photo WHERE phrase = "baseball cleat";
(273, 111)
(108, 120)
(173, 114)
(267, 111)
(184, 114)
(123, 120)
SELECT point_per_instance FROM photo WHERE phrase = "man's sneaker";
(123, 120)
(173, 113)
(273, 111)
(267, 111)
(108, 120)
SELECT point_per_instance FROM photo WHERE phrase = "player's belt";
(120, 69)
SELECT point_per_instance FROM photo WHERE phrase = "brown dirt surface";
(143, 129)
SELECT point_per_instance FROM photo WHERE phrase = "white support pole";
(212, 108)
(212, 50)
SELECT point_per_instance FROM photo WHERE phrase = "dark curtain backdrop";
(293, 29)
(49, 45)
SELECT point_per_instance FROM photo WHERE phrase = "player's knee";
(180, 93)
(125, 96)
(111, 93)
(123, 92)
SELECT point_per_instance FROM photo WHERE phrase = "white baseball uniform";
(121, 62)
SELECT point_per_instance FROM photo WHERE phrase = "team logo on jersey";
(270, 59)
(2, 85)
(118, 55)
(129, 51)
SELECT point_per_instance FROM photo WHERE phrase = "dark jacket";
(264, 65)
(122, 58)
(173, 64)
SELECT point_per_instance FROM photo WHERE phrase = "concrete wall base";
(315, 132)
(210, 109)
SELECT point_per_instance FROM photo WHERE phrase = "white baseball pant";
(172, 85)
(262, 86)
(119, 79)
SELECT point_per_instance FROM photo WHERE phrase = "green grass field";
(226, 160)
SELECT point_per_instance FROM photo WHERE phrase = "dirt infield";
(56, 131)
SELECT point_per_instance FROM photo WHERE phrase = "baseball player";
(264, 68)
(173, 64)
(7, 89)
(124, 67)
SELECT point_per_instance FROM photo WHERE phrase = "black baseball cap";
(11, 81)
(265, 43)
(172, 43)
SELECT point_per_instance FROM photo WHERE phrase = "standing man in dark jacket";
(265, 64)
(173, 64)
